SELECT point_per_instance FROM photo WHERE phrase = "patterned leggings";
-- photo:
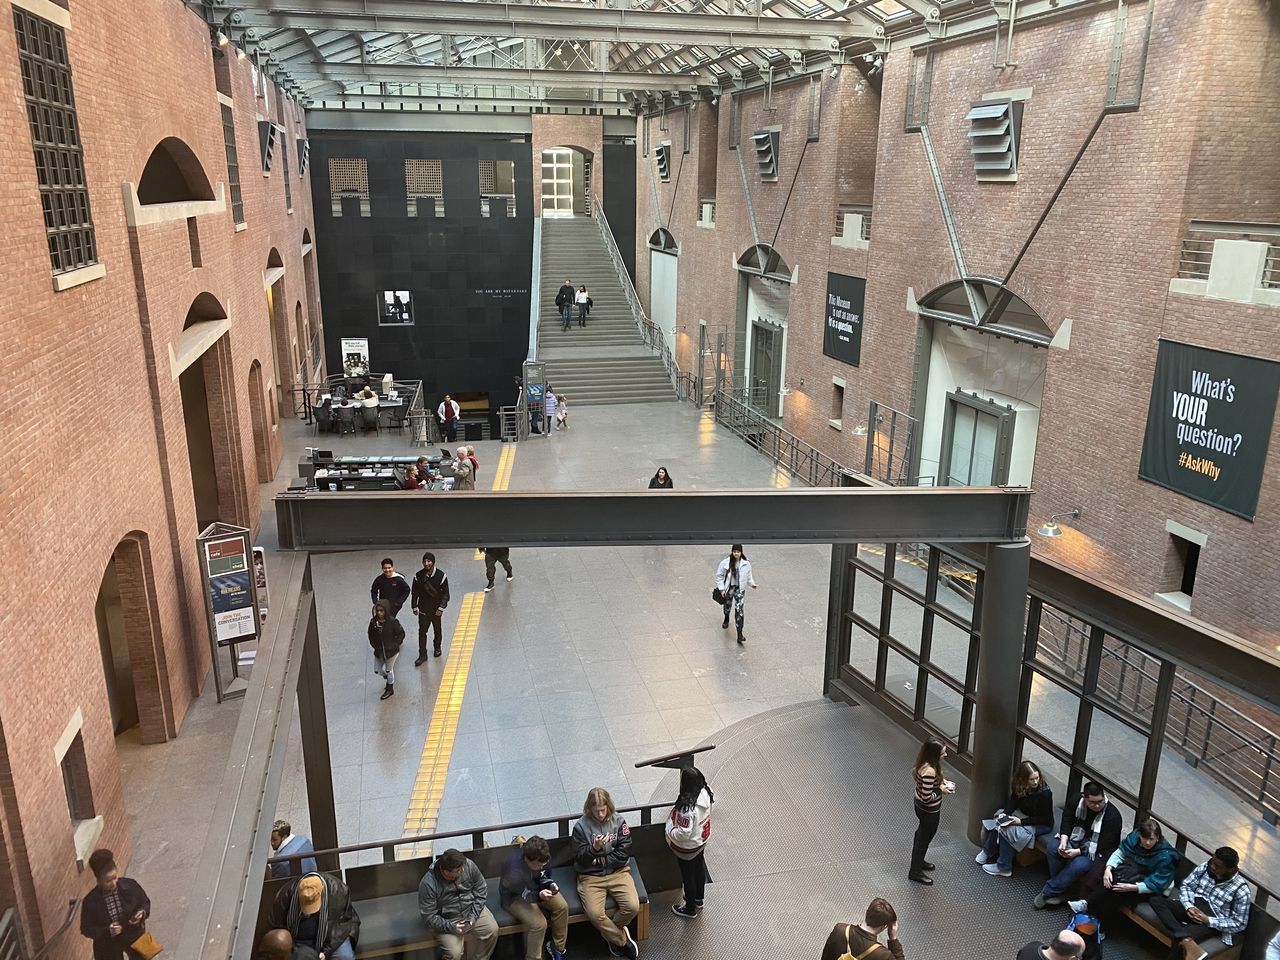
(734, 596)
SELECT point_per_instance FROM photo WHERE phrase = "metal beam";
(318, 521)
(501, 76)
(508, 124)
(552, 21)
(461, 103)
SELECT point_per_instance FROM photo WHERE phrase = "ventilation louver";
(663, 156)
(993, 139)
(766, 144)
(267, 141)
(304, 154)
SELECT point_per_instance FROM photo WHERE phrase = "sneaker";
(489, 588)
(995, 871)
(615, 951)
(698, 904)
(1039, 902)
(631, 949)
(509, 579)
(680, 910)
(981, 857)
(551, 952)
(1054, 901)
(1192, 950)
(1078, 906)
(435, 652)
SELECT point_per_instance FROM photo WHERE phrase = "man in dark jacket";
(386, 637)
(530, 895)
(451, 900)
(492, 557)
(564, 303)
(390, 586)
(317, 911)
(430, 597)
(1089, 834)
(114, 913)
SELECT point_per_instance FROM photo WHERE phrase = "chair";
(370, 417)
(398, 416)
(346, 419)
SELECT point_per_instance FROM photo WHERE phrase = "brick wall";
(1102, 259)
(93, 365)
(584, 133)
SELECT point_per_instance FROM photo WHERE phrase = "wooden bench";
(386, 897)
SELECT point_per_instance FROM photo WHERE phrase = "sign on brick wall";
(1209, 425)
(842, 329)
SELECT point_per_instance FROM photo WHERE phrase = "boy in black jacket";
(531, 896)
(391, 587)
(430, 595)
(1090, 833)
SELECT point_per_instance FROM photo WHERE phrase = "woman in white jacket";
(733, 576)
(688, 830)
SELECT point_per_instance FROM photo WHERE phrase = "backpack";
(1090, 929)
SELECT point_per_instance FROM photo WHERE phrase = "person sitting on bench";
(1142, 866)
(451, 900)
(1025, 816)
(602, 855)
(530, 895)
(1090, 833)
(1213, 901)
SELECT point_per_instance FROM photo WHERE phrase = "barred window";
(424, 181)
(348, 177)
(55, 138)
(497, 179)
(284, 157)
(233, 163)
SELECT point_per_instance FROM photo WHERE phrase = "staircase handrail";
(650, 333)
(535, 290)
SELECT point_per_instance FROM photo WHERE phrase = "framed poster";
(355, 356)
(260, 580)
(842, 327)
(230, 589)
(395, 308)
(1209, 425)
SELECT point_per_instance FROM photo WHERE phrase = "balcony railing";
(1195, 257)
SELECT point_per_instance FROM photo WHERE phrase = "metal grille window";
(348, 177)
(267, 143)
(497, 179)
(766, 146)
(233, 163)
(304, 154)
(55, 138)
(284, 159)
(424, 181)
(993, 139)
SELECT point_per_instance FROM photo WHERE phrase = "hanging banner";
(842, 329)
(230, 589)
(355, 356)
(1209, 425)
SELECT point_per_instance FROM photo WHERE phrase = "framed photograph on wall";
(395, 308)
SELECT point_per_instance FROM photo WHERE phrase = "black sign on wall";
(1209, 425)
(842, 328)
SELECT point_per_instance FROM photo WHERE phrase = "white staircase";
(606, 361)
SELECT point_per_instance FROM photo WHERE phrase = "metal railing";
(860, 209)
(650, 332)
(1228, 744)
(797, 457)
(703, 204)
(1195, 256)
(10, 944)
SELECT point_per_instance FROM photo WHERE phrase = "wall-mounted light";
(861, 430)
(785, 391)
(222, 38)
(1050, 527)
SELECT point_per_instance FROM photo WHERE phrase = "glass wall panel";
(900, 680)
(1127, 678)
(911, 566)
(1052, 712)
(950, 649)
(1116, 751)
(867, 597)
(906, 621)
(1062, 644)
(862, 653)
(942, 708)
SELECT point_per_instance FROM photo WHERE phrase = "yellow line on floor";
(506, 460)
(433, 768)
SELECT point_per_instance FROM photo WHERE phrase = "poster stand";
(231, 601)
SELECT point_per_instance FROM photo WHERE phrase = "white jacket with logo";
(689, 830)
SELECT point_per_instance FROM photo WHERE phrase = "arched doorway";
(261, 432)
(208, 391)
(985, 353)
(566, 182)
(313, 305)
(764, 302)
(277, 317)
(173, 174)
(664, 264)
(130, 643)
(300, 334)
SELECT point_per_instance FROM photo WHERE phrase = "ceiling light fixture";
(1050, 527)
(222, 39)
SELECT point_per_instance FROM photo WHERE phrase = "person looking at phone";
(1141, 866)
(530, 895)
(1212, 901)
(1025, 816)
(602, 857)
(1090, 831)
(451, 900)
(862, 940)
(930, 787)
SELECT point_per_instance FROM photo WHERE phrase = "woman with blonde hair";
(602, 857)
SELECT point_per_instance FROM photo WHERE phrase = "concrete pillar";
(1003, 627)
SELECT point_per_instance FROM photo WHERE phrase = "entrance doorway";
(113, 643)
(977, 440)
(764, 379)
(566, 182)
(281, 354)
(664, 282)
(195, 416)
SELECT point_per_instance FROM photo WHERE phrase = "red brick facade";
(1103, 258)
(101, 474)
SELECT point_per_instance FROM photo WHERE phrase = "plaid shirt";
(1229, 900)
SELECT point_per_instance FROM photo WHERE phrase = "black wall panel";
(469, 275)
(620, 199)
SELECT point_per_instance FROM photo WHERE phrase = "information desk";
(369, 472)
